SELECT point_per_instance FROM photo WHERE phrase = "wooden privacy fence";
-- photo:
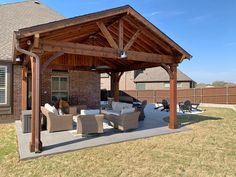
(217, 95)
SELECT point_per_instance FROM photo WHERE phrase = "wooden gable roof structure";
(111, 41)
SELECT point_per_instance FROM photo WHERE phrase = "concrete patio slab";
(65, 141)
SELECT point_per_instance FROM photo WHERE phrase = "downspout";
(37, 83)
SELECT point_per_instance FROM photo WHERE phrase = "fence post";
(227, 94)
(194, 94)
(202, 95)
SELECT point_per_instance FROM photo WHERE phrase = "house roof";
(98, 39)
(158, 74)
(20, 15)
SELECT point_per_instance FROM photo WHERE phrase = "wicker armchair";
(90, 124)
(57, 122)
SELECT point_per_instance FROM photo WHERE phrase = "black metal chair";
(141, 109)
(165, 105)
(186, 106)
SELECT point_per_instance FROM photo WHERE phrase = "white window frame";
(5, 67)
(167, 85)
(179, 84)
(67, 89)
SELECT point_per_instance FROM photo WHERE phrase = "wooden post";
(173, 97)
(115, 85)
(33, 67)
(24, 88)
(38, 142)
(35, 144)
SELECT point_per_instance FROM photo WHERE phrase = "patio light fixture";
(123, 54)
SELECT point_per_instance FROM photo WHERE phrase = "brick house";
(149, 79)
(55, 84)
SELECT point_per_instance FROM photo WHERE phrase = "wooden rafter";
(132, 40)
(105, 52)
(121, 34)
(107, 34)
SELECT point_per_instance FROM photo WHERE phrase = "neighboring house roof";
(21, 15)
(158, 74)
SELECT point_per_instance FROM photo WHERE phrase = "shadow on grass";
(188, 119)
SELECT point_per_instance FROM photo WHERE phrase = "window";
(167, 85)
(3, 85)
(140, 86)
(60, 87)
(179, 85)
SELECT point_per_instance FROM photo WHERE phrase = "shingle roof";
(20, 15)
(158, 74)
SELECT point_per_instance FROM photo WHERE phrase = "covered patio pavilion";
(111, 41)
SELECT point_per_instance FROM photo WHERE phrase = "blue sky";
(205, 28)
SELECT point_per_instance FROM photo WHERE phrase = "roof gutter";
(37, 92)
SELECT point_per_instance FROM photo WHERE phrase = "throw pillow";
(48, 107)
(60, 112)
(54, 110)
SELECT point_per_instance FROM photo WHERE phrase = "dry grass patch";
(209, 149)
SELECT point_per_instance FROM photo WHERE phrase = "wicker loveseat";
(57, 122)
(122, 116)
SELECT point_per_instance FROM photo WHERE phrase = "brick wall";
(84, 85)
(16, 96)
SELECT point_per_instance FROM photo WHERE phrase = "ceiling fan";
(93, 67)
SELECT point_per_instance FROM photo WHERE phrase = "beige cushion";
(118, 106)
(127, 110)
(110, 112)
(89, 111)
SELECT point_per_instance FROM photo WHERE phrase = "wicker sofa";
(57, 122)
(87, 124)
(122, 116)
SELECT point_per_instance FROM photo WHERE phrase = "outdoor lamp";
(123, 54)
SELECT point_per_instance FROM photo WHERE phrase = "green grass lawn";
(209, 149)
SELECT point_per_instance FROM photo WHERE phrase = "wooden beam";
(160, 34)
(138, 66)
(24, 88)
(73, 21)
(121, 34)
(132, 40)
(104, 52)
(36, 41)
(107, 35)
(48, 61)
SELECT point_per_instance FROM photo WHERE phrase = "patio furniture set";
(185, 106)
(121, 116)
